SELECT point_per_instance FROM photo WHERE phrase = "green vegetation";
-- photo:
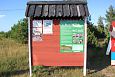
(18, 32)
(14, 63)
(100, 31)
(13, 58)
(14, 53)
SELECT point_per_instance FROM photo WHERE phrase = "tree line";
(19, 31)
(101, 30)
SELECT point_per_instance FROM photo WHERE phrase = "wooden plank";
(27, 10)
(86, 10)
(31, 11)
(56, 2)
(78, 10)
(73, 10)
(59, 10)
(51, 10)
(66, 10)
(45, 10)
(38, 11)
(82, 10)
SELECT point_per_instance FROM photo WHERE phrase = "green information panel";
(71, 36)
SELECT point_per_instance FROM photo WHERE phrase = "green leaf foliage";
(19, 31)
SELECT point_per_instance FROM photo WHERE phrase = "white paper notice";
(47, 27)
(37, 30)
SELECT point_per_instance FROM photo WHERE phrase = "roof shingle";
(57, 9)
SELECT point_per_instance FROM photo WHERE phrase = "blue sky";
(13, 10)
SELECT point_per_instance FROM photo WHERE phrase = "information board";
(71, 36)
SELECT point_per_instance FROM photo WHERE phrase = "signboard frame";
(85, 47)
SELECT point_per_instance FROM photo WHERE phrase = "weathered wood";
(55, 2)
(51, 10)
(86, 10)
(38, 11)
(66, 10)
(73, 10)
(31, 10)
(45, 10)
(59, 10)
(27, 10)
(78, 10)
(82, 10)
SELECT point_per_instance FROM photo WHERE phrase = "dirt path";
(109, 71)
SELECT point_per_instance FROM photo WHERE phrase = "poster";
(47, 27)
(37, 30)
(113, 44)
(71, 36)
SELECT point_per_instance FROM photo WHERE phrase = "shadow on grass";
(97, 59)
(13, 73)
(57, 71)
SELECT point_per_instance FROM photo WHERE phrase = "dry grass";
(13, 58)
(14, 63)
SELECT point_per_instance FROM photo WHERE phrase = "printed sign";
(37, 30)
(47, 27)
(113, 45)
(71, 36)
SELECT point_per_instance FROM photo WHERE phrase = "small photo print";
(37, 23)
(66, 47)
(78, 38)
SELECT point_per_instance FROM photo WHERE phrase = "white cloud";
(1, 16)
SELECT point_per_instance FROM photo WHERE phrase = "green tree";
(19, 31)
(92, 33)
(101, 32)
(110, 14)
(100, 25)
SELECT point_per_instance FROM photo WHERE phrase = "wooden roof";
(63, 9)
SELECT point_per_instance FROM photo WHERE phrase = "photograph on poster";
(37, 23)
(66, 47)
(78, 38)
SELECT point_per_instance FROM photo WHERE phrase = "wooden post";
(85, 49)
(29, 47)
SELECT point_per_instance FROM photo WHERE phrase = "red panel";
(113, 23)
(113, 39)
(47, 52)
(112, 44)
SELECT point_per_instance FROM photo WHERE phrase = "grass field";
(14, 63)
(13, 59)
